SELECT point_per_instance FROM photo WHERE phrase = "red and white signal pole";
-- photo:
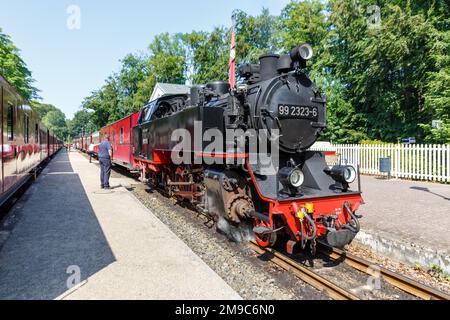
(232, 73)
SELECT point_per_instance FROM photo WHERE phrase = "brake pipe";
(352, 215)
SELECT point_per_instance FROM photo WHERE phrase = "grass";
(437, 272)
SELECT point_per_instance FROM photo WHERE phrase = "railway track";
(335, 291)
(312, 278)
(406, 284)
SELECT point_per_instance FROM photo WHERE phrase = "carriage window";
(121, 135)
(10, 122)
(26, 129)
(114, 137)
(36, 133)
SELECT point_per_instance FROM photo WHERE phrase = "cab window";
(10, 122)
(121, 135)
(150, 110)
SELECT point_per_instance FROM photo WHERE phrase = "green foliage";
(432, 135)
(82, 121)
(210, 55)
(14, 68)
(42, 108)
(256, 35)
(53, 118)
(387, 71)
(369, 141)
(303, 22)
(382, 82)
(128, 90)
(438, 272)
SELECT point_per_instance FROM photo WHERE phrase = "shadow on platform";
(430, 192)
(57, 235)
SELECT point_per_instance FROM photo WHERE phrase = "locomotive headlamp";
(343, 174)
(291, 177)
(305, 51)
(302, 53)
(296, 178)
(350, 174)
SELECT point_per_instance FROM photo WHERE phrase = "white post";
(434, 162)
(416, 160)
(439, 163)
(429, 159)
(448, 163)
(422, 174)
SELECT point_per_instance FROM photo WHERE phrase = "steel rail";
(406, 284)
(332, 290)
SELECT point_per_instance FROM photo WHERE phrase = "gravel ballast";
(235, 263)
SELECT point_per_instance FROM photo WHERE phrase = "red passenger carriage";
(25, 141)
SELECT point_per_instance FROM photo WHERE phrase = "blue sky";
(69, 64)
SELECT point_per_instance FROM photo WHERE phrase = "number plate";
(297, 112)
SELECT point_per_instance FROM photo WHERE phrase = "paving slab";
(75, 241)
(408, 220)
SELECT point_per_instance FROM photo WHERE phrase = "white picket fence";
(429, 162)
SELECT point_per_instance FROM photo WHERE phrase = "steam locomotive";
(294, 198)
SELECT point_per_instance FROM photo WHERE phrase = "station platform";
(407, 220)
(68, 239)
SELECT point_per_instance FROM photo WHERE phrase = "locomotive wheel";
(265, 240)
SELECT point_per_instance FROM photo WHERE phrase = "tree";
(122, 91)
(388, 70)
(55, 121)
(82, 121)
(383, 81)
(256, 35)
(211, 52)
(53, 118)
(303, 22)
(14, 68)
(42, 108)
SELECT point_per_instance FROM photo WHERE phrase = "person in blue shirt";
(105, 154)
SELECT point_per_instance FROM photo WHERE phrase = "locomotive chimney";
(268, 63)
(195, 95)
